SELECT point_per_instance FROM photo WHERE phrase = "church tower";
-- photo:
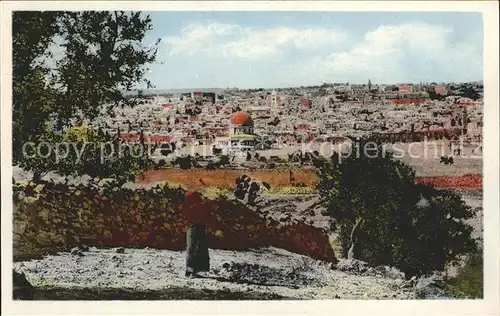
(369, 85)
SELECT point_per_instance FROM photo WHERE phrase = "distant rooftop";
(174, 91)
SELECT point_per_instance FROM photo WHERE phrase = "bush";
(288, 190)
(469, 281)
(270, 165)
(384, 218)
(161, 163)
(186, 162)
(224, 160)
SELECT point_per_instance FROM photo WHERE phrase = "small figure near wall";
(197, 212)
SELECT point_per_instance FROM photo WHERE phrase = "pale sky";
(279, 49)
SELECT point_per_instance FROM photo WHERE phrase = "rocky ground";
(259, 274)
(304, 208)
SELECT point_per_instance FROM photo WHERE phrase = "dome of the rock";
(241, 118)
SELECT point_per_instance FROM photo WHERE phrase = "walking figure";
(197, 212)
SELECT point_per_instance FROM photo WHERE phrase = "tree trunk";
(350, 253)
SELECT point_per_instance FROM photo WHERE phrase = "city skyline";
(211, 89)
(292, 49)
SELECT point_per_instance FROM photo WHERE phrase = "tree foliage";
(385, 218)
(75, 66)
(82, 151)
(33, 97)
(468, 91)
(433, 95)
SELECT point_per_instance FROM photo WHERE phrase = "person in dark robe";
(239, 191)
(242, 185)
(253, 190)
(197, 212)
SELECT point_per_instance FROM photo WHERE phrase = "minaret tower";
(274, 102)
(274, 99)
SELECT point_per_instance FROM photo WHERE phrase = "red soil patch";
(468, 181)
(277, 179)
(226, 178)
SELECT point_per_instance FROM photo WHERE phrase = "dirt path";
(158, 274)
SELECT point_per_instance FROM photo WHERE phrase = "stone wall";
(53, 217)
